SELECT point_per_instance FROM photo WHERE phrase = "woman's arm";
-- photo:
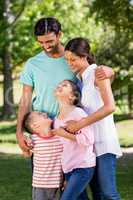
(107, 108)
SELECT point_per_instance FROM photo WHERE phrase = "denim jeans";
(103, 183)
(77, 181)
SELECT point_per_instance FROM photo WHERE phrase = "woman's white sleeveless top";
(106, 140)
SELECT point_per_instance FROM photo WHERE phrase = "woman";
(98, 102)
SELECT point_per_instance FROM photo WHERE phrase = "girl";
(98, 102)
(78, 158)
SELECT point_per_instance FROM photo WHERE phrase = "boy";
(47, 149)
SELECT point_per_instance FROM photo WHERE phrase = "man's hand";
(103, 72)
(22, 142)
(27, 154)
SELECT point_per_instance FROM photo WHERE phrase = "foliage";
(115, 47)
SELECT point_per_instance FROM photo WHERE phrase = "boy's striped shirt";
(47, 172)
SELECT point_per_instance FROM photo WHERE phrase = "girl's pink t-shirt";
(79, 153)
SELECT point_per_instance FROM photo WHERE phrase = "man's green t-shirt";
(44, 73)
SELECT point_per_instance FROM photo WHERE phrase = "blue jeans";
(103, 183)
(77, 181)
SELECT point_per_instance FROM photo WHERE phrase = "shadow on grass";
(7, 129)
(7, 134)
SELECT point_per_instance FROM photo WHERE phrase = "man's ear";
(59, 34)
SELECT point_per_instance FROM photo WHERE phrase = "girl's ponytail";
(91, 58)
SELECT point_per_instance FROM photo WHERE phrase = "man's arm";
(24, 108)
(104, 72)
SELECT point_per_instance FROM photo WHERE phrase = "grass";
(125, 177)
(15, 177)
(125, 131)
(7, 131)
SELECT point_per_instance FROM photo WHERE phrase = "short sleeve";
(26, 77)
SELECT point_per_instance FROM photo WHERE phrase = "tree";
(116, 47)
(8, 20)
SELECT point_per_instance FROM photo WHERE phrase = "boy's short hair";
(47, 25)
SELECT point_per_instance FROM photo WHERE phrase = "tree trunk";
(8, 107)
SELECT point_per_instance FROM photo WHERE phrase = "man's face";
(49, 42)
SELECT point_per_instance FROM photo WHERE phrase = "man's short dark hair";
(47, 25)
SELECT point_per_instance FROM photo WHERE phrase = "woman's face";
(75, 62)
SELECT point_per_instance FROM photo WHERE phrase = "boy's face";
(40, 122)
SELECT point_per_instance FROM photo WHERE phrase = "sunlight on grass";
(125, 132)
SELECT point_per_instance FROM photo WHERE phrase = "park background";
(108, 24)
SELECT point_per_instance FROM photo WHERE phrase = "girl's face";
(64, 91)
(75, 62)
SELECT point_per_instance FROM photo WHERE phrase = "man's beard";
(52, 49)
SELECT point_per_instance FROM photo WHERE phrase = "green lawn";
(125, 177)
(125, 131)
(15, 177)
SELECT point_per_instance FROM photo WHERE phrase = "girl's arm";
(108, 107)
